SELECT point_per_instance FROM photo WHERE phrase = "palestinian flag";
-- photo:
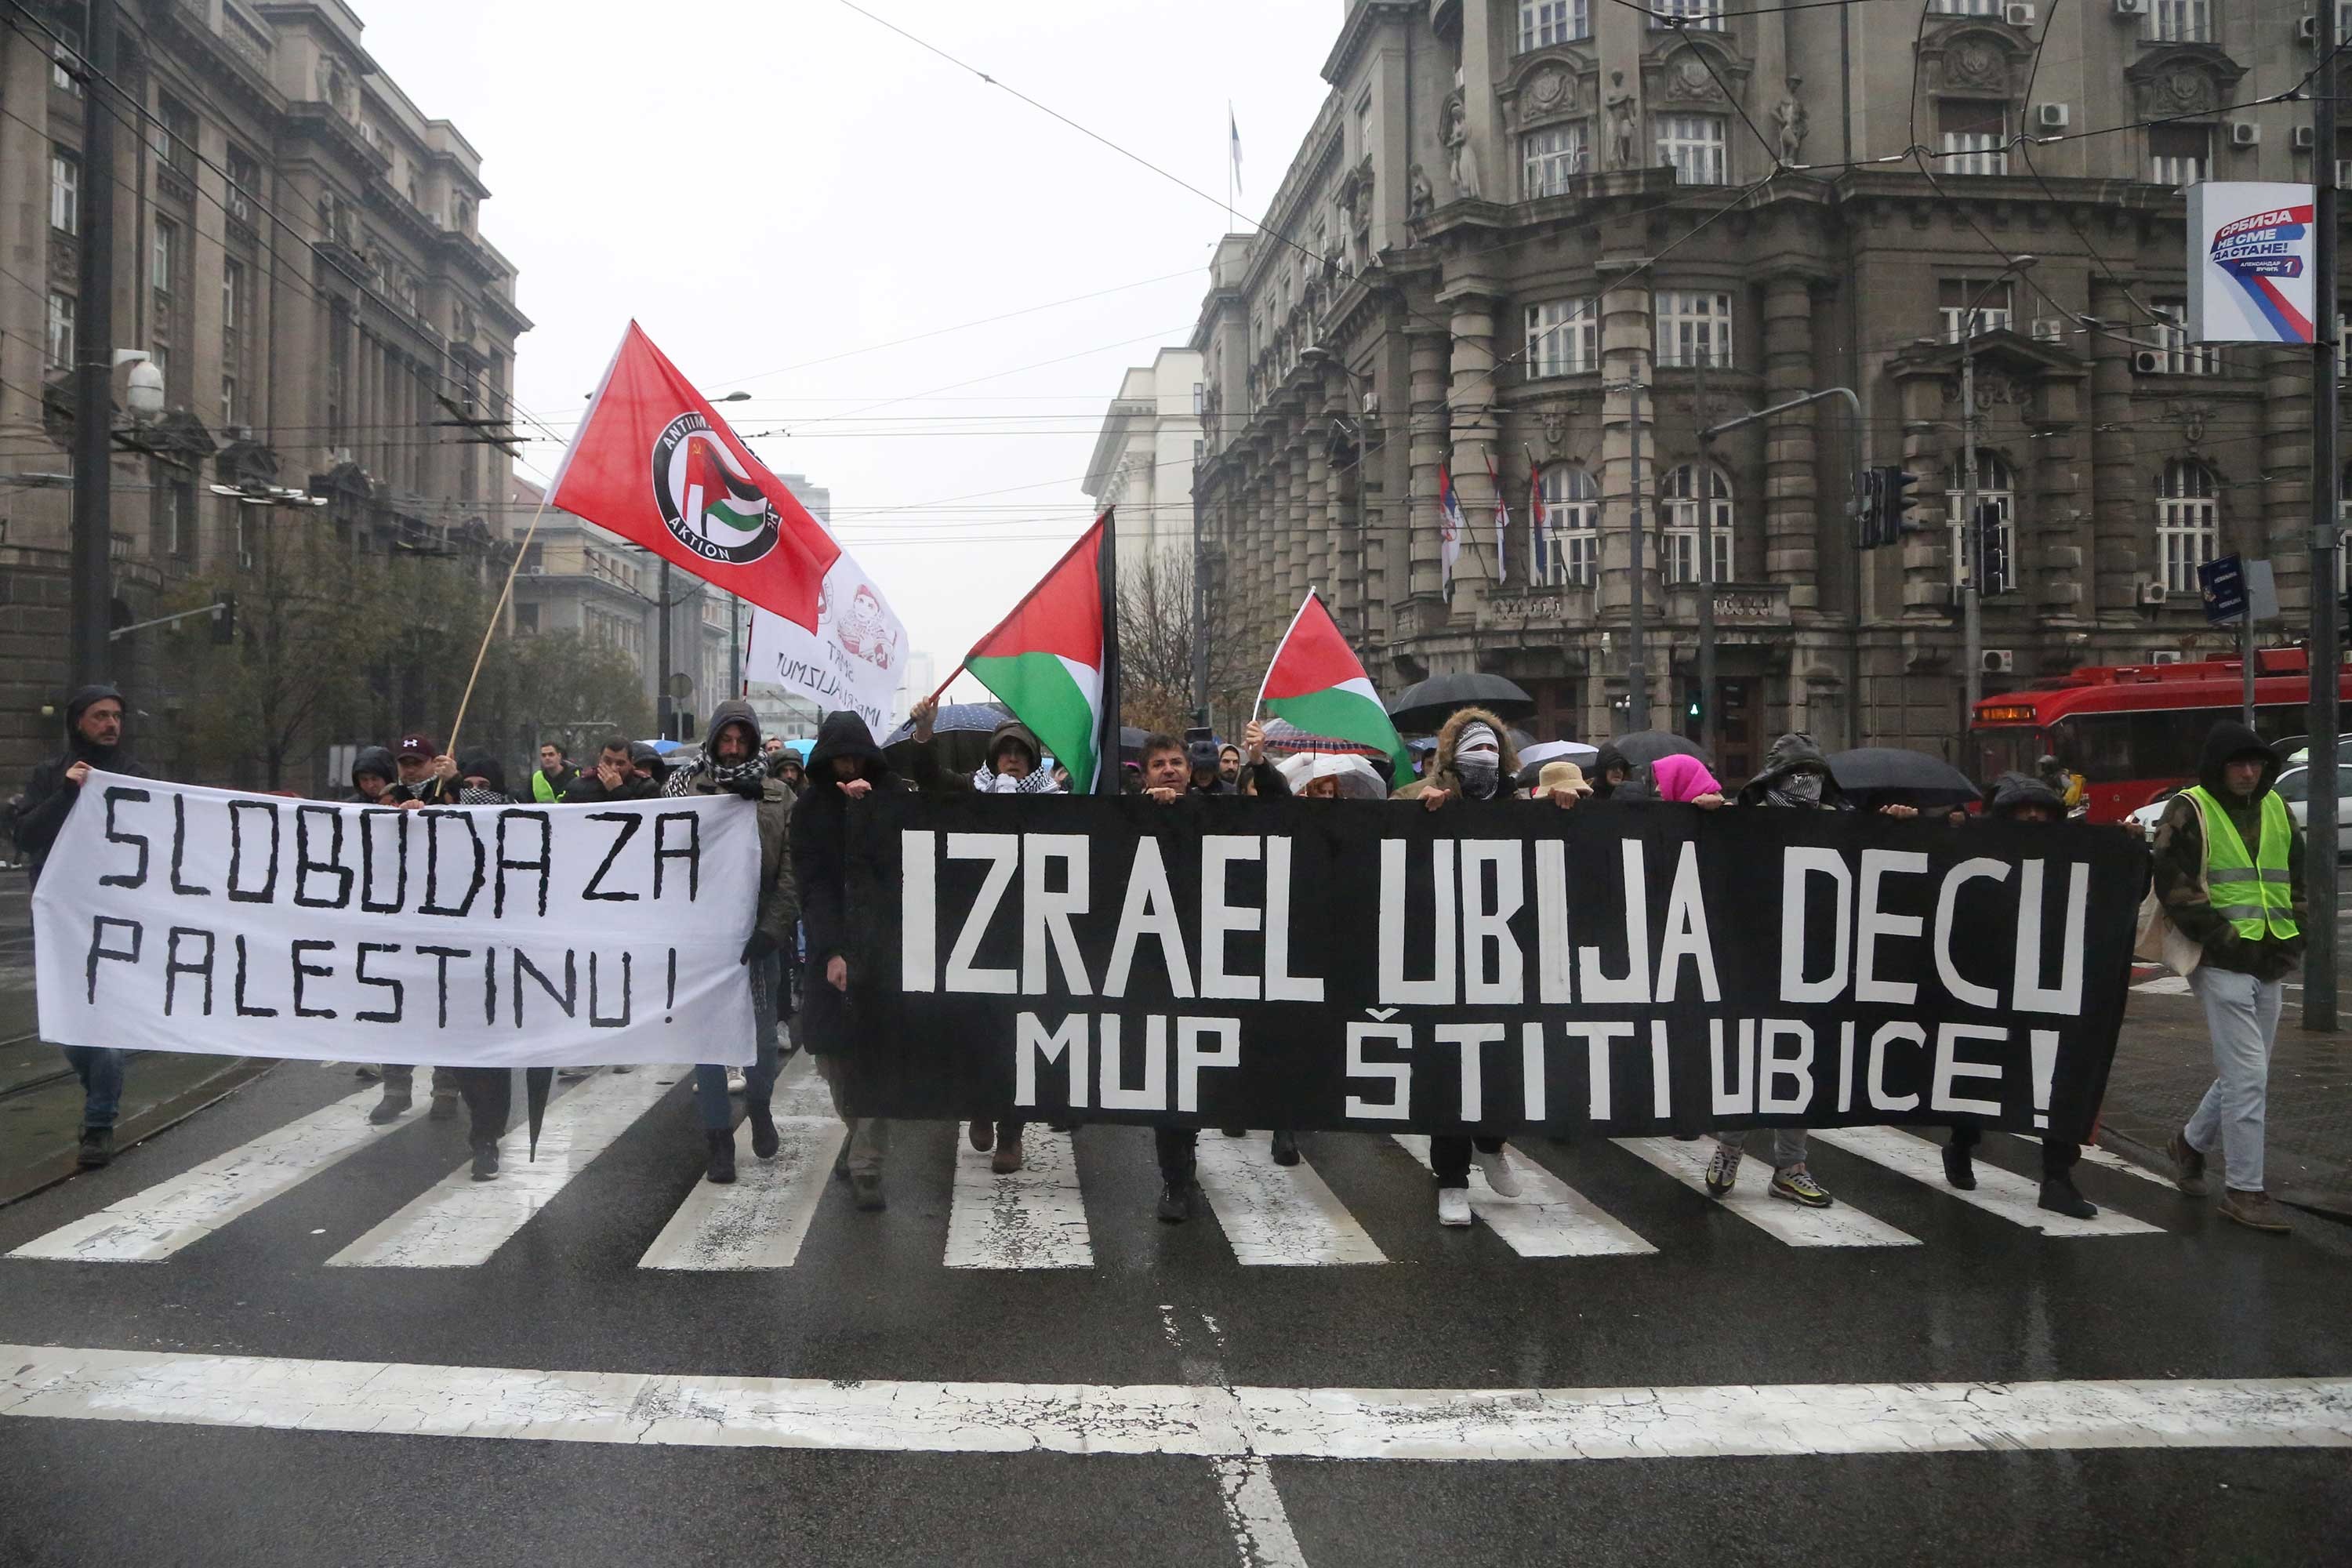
(1044, 660)
(1316, 683)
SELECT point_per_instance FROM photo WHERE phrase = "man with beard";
(94, 717)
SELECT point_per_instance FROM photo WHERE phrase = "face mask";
(1479, 775)
(1802, 787)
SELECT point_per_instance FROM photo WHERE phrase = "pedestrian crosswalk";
(1352, 1202)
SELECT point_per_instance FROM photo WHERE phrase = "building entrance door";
(1738, 754)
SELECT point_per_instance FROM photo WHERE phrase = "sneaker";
(1007, 1158)
(1176, 1200)
(1284, 1147)
(983, 1135)
(764, 1142)
(391, 1108)
(486, 1162)
(2253, 1210)
(366, 1073)
(1453, 1206)
(1960, 1168)
(867, 1188)
(2059, 1195)
(1722, 1171)
(2188, 1165)
(1500, 1178)
(735, 1083)
(97, 1147)
(1797, 1184)
(721, 1166)
(445, 1109)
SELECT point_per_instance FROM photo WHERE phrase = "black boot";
(722, 1156)
(486, 1160)
(392, 1106)
(1176, 1200)
(97, 1147)
(762, 1117)
(1286, 1147)
(2060, 1196)
(1960, 1168)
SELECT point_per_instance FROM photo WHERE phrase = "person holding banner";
(845, 766)
(94, 718)
(732, 764)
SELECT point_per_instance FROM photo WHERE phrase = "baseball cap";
(417, 746)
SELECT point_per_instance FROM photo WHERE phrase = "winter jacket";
(1441, 773)
(589, 790)
(492, 790)
(49, 796)
(1610, 760)
(548, 790)
(932, 779)
(377, 761)
(780, 900)
(2179, 861)
(820, 867)
(1791, 756)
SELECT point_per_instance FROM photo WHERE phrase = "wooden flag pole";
(498, 613)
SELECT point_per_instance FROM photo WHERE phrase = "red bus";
(2135, 730)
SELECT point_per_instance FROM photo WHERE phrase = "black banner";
(1318, 964)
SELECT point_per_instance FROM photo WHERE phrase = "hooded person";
(646, 763)
(1796, 774)
(2227, 867)
(1611, 769)
(1254, 774)
(95, 718)
(732, 764)
(1684, 779)
(482, 781)
(845, 768)
(373, 773)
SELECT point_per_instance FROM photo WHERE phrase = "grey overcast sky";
(765, 183)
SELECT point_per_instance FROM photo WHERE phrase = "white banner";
(2251, 254)
(175, 918)
(851, 660)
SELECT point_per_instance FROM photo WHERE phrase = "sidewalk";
(2163, 1062)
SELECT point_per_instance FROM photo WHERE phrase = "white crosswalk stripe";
(1548, 1219)
(1998, 1192)
(1278, 1215)
(156, 1222)
(758, 1220)
(460, 1222)
(1033, 1219)
(1840, 1225)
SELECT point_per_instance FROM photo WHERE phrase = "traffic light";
(1692, 703)
(1866, 517)
(225, 621)
(1894, 503)
(1993, 551)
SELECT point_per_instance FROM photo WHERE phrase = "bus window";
(2007, 750)
(2096, 746)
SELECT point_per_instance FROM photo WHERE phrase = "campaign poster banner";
(2253, 249)
(852, 660)
(1621, 969)
(172, 918)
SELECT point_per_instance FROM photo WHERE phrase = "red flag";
(654, 463)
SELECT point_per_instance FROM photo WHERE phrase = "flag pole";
(1107, 576)
(498, 613)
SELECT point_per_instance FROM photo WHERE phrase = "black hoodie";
(1791, 754)
(49, 796)
(820, 868)
(373, 760)
(491, 771)
(2179, 860)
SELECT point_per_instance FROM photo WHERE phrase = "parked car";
(2294, 788)
(2145, 818)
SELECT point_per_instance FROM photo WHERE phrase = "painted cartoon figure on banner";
(869, 634)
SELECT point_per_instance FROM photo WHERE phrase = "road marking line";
(760, 1219)
(2108, 1159)
(1548, 1219)
(2163, 985)
(459, 1222)
(2002, 1193)
(1277, 1214)
(1790, 1420)
(1840, 1225)
(800, 1092)
(156, 1222)
(1033, 1219)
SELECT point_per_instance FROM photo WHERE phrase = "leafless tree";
(1156, 644)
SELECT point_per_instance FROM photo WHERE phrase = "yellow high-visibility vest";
(2254, 893)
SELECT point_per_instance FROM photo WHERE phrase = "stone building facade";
(1143, 461)
(1514, 218)
(298, 248)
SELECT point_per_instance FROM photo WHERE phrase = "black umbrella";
(535, 1083)
(1429, 703)
(961, 733)
(1649, 745)
(1874, 776)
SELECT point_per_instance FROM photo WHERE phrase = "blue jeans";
(2241, 1013)
(100, 1068)
(759, 1077)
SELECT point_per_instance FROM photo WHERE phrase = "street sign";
(2223, 582)
(2262, 591)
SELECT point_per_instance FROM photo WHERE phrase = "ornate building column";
(1321, 524)
(1426, 441)
(1793, 507)
(2118, 509)
(1471, 427)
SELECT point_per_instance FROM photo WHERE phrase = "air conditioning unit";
(2245, 134)
(2147, 363)
(2050, 329)
(2164, 655)
(2000, 660)
(2303, 138)
(2151, 594)
(2308, 29)
(2017, 16)
(2131, 8)
(2049, 116)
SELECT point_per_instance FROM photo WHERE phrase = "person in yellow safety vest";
(555, 775)
(2229, 869)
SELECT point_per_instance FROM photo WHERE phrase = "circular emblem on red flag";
(706, 497)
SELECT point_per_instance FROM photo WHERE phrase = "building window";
(1549, 157)
(65, 191)
(61, 331)
(1996, 488)
(228, 402)
(1543, 22)
(165, 254)
(2188, 522)
(2179, 155)
(244, 183)
(1567, 551)
(527, 619)
(1993, 305)
(1563, 337)
(1693, 144)
(1694, 328)
(180, 522)
(1973, 135)
(1364, 127)
(63, 63)
(2181, 21)
(232, 294)
(1706, 16)
(175, 136)
(2179, 356)
(1681, 495)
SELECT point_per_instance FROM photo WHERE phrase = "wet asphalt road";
(1720, 1302)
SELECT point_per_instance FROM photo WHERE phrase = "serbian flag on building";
(1502, 514)
(1316, 683)
(1449, 527)
(1053, 661)
(654, 463)
(1542, 548)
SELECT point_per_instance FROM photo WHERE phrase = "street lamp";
(145, 395)
(1972, 588)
